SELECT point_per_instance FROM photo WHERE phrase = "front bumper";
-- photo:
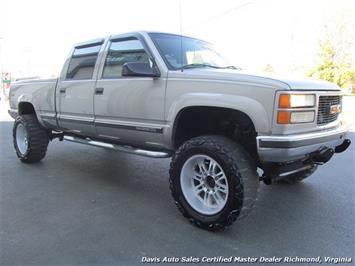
(286, 148)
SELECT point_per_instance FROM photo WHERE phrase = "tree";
(333, 68)
(336, 51)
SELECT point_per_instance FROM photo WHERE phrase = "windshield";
(184, 52)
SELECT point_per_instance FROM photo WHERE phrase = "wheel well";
(26, 108)
(200, 120)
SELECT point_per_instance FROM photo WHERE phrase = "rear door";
(75, 91)
(129, 109)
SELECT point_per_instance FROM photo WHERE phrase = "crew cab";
(164, 95)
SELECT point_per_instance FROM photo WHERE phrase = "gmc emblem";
(334, 109)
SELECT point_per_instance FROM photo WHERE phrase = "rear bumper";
(287, 148)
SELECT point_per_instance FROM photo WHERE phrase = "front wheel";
(30, 139)
(213, 181)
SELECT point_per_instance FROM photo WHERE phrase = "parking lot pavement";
(93, 206)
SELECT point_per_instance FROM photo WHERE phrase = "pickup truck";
(164, 95)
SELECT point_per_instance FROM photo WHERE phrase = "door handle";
(99, 91)
(62, 90)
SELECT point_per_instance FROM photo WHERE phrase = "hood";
(232, 75)
(307, 83)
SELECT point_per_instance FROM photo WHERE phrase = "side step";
(118, 147)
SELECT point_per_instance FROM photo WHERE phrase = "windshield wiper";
(208, 65)
(232, 67)
(197, 66)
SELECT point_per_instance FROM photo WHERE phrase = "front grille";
(324, 115)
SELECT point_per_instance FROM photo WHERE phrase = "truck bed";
(39, 92)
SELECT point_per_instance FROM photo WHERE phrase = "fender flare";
(250, 107)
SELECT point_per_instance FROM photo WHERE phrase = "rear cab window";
(82, 63)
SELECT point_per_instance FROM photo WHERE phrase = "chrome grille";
(324, 116)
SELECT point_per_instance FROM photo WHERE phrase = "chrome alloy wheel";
(21, 139)
(204, 184)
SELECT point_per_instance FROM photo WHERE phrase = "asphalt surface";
(86, 205)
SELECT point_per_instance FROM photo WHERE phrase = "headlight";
(287, 117)
(297, 100)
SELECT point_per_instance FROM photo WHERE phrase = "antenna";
(180, 21)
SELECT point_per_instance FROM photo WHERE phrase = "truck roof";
(121, 35)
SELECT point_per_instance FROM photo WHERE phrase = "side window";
(82, 62)
(121, 52)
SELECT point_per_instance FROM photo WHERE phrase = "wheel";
(297, 177)
(213, 181)
(30, 139)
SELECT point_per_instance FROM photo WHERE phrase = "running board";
(118, 147)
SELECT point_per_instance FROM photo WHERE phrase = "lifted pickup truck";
(164, 95)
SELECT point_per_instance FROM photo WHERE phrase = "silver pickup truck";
(164, 95)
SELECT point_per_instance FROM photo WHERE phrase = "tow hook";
(342, 147)
(323, 155)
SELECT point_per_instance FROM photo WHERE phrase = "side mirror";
(139, 69)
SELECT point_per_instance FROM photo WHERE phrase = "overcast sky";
(37, 35)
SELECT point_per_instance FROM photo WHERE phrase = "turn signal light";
(284, 101)
(288, 117)
(283, 117)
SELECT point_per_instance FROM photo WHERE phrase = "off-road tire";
(37, 139)
(240, 170)
(297, 177)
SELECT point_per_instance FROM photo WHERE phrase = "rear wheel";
(213, 181)
(30, 139)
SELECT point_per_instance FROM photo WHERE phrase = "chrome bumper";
(294, 147)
